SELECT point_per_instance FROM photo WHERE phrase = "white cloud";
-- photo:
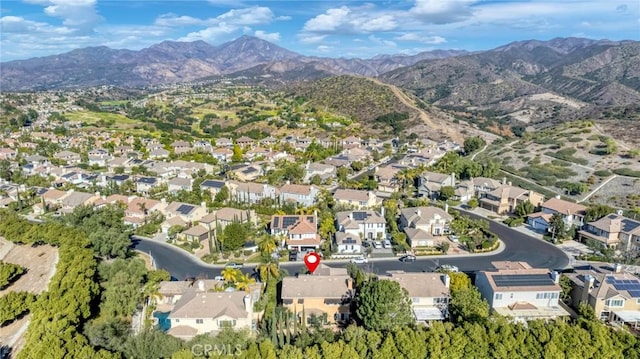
(272, 37)
(248, 16)
(329, 21)
(311, 39)
(418, 37)
(379, 41)
(212, 33)
(324, 48)
(173, 20)
(442, 11)
(80, 15)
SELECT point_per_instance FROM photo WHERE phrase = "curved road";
(518, 247)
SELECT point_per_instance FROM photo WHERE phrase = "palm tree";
(230, 275)
(267, 245)
(244, 282)
(268, 270)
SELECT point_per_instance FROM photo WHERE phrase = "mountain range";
(174, 62)
(524, 81)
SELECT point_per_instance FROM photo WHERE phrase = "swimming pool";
(163, 320)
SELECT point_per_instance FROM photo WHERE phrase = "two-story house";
(386, 178)
(178, 184)
(324, 171)
(196, 308)
(146, 184)
(324, 295)
(367, 225)
(612, 230)
(521, 292)
(189, 213)
(430, 183)
(300, 231)
(68, 156)
(251, 192)
(613, 294)
(420, 224)
(212, 186)
(572, 214)
(355, 198)
(505, 199)
(300, 194)
(429, 293)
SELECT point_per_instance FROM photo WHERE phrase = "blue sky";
(333, 28)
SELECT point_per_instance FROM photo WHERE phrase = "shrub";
(602, 173)
(626, 172)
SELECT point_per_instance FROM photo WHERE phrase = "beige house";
(186, 211)
(429, 293)
(355, 198)
(198, 308)
(300, 231)
(432, 220)
(325, 294)
(505, 199)
(612, 230)
(613, 294)
(520, 292)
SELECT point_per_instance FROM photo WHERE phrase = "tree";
(473, 144)
(230, 275)
(244, 282)
(524, 209)
(473, 203)
(447, 192)
(237, 154)
(267, 245)
(222, 196)
(597, 211)
(234, 236)
(557, 226)
(382, 305)
(467, 305)
(444, 247)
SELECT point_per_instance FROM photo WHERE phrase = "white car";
(359, 260)
(447, 268)
(454, 239)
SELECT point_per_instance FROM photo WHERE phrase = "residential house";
(348, 243)
(255, 153)
(429, 293)
(251, 192)
(355, 198)
(222, 154)
(613, 230)
(356, 154)
(505, 199)
(203, 146)
(178, 184)
(139, 209)
(227, 215)
(327, 297)
(186, 211)
(197, 308)
(224, 142)
(248, 172)
(482, 185)
(300, 194)
(145, 185)
(268, 141)
(324, 171)
(386, 178)
(430, 183)
(68, 156)
(99, 157)
(351, 142)
(432, 220)
(8, 154)
(37, 160)
(367, 225)
(613, 294)
(159, 153)
(300, 231)
(572, 214)
(197, 233)
(181, 147)
(244, 141)
(75, 199)
(523, 293)
(212, 186)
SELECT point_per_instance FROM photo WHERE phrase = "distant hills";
(174, 62)
(523, 82)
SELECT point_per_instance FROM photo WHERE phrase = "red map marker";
(312, 260)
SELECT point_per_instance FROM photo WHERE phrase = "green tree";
(9, 272)
(597, 211)
(237, 154)
(557, 227)
(234, 236)
(383, 305)
(473, 144)
(467, 305)
(524, 209)
(473, 203)
(447, 192)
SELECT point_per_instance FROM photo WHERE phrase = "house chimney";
(509, 183)
(446, 280)
(349, 283)
(163, 200)
(504, 180)
(557, 196)
(556, 277)
(586, 289)
(453, 179)
(446, 207)
(247, 303)
(619, 212)
(288, 182)
(418, 212)
(382, 211)
(203, 204)
(617, 268)
(201, 286)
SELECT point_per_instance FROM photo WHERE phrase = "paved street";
(517, 247)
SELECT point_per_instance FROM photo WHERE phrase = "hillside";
(531, 81)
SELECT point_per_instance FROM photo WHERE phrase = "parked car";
(386, 243)
(408, 258)
(233, 265)
(219, 278)
(454, 239)
(359, 260)
(377, 244)
(447, 268)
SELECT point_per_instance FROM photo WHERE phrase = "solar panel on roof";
(184, 209)
(635, 293)
(310, 219)
(522, 280)
(359, 216)
(289, 221)
(276, 221)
